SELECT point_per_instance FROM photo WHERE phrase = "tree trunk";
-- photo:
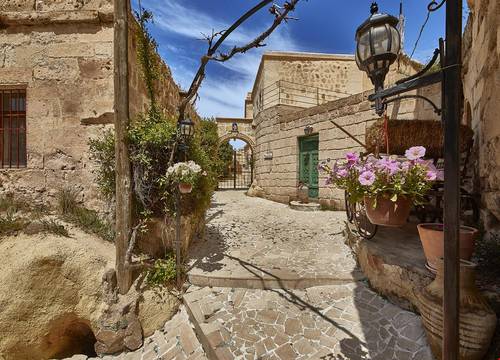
(123, 172)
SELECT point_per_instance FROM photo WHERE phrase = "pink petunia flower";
(366, 178)
(415, 152)
(342, 173)
(352, 158)
(430, 175)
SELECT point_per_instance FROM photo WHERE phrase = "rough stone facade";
(481, 75)
(310, 79)
(279, 128)
(61, 53)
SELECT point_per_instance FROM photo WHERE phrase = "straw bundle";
(404, 134)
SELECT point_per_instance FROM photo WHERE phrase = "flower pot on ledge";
(185, 188)
(432, 238)
(388, 212)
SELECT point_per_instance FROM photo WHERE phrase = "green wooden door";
(308, 163)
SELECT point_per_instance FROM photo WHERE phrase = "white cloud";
(219, 96)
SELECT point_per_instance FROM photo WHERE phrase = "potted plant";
(185, 175)
(388, 185)
(432, 238)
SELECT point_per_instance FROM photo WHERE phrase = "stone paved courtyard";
(268, 282)
(252, 242)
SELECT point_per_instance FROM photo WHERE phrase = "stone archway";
(236, 128)
(238, 173)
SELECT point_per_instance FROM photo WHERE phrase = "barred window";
(12, 128)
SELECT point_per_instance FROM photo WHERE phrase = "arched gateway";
(238, 173)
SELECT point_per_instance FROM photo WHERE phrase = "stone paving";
(260, 269)
(176, 340)
(327, 322)
(256, 243)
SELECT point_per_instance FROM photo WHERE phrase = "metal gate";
(239, 175)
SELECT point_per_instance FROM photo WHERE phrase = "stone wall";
(279, 128)
(309, 79)
(61, 52)
(481, 75)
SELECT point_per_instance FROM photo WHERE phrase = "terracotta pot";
(477, 319)
(388, 212)
(185, 188)
(432, 238)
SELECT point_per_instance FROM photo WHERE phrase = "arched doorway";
(236, 153)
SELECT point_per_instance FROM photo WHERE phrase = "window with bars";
(12, 128)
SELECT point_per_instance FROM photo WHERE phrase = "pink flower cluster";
(367, 171)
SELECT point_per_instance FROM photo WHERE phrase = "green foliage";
(102, 150)
(225, 154)
(11, 224)
(51, 226)
(146, 54)
(163, 272)
(86, 219)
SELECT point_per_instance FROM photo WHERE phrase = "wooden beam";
(451, 110)
(123, 169)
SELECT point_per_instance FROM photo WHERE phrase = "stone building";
(294, 97)
(56, 87)
(481, 75)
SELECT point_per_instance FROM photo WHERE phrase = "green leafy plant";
(86, 219)
(52, 226)
(102, 150)
(11, 224)
(162, 272)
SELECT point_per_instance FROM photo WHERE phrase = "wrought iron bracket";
(419, 80)
(434, 5)
(402, 97)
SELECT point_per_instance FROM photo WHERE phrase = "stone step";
(335, 322)
(269, 279)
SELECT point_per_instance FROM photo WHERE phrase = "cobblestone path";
(252, 242)
(268, 282)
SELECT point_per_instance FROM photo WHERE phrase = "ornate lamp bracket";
(434, 5)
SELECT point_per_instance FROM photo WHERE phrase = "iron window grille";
(13, 128)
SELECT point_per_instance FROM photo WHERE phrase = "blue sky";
(326, 26)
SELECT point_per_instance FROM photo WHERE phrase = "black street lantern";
(186, 129)
(378, 45)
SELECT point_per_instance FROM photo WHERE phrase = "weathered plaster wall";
(66, 67)
(482, 102)
(279, 128)
(68, 78)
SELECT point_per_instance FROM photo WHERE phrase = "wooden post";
(452, 106)
(123, 172)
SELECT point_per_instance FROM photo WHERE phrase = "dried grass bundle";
(404, 134)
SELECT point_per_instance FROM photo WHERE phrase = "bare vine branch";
(280, 14)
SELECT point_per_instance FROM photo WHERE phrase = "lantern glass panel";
(396, 41)
(364, 47)
(380, 38)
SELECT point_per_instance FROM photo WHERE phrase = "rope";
(386, 132)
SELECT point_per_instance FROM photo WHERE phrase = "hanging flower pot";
(432, 238)
(383, 211)
(185, 188)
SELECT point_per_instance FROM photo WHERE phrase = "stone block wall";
(481, 75)
(279, 128)
(61, 53)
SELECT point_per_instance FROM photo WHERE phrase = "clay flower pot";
(432, 238)
(185, 188)
(477, 319)
(388, 212)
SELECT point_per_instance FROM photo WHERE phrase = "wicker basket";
(404, 134)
